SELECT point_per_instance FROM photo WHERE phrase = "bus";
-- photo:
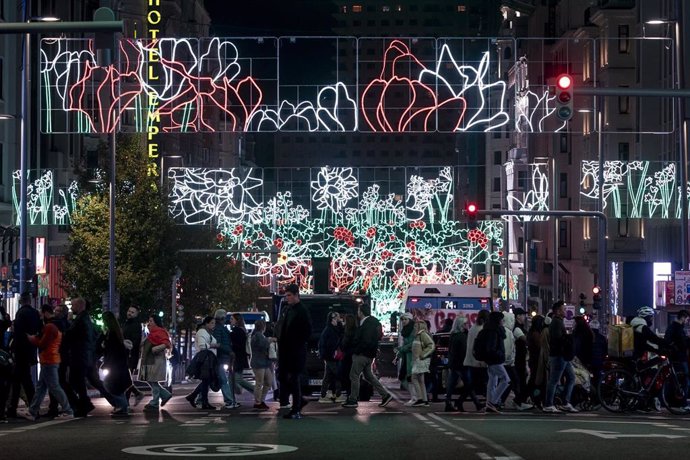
(438, 302)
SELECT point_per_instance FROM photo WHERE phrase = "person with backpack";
(561, 353)
(242, 350)
(489, 347)
(6, 364)
(329, 345)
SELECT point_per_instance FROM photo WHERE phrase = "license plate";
(315, 381)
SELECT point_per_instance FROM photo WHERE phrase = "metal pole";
(556, 244)
(601, 240)
(111, 268)
(525, 263)
(682, 140)
(24, 139)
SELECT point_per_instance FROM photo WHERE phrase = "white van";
(438, 302)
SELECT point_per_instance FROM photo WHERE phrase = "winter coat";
(422, 348)
(153, 367)
(115, 359)
(367, 337)
(294, 332)
(676, 337)
(26, 321)
(645, 340)
(329, 342)
(131, 330)
(204, 341)
(557, 337)
(238, 337)
(48, 344)
(520, 346)
(405, 350)
(80, 341)
(204, 366)
(543, 366)
(260, 345)
(509, 341)
(496, 348)
(224, 352)
(600, 349)
(469, 355)
(457, 349)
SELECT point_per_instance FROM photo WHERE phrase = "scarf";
(158, 336)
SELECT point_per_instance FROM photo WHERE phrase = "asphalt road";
(329, 431)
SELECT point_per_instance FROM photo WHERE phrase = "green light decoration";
(633, 189)
(44, 208)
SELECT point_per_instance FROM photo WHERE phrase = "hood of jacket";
(508, 320)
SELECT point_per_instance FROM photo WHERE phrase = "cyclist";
(645, 339)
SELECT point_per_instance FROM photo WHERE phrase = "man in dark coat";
(5, 371)
(366, 345)
(131, 330)
(294, 332)
(678, 340)
(27, 322)
(81, 343)
(329, 342)
(225, 359)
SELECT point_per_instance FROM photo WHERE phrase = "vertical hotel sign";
(153, 119)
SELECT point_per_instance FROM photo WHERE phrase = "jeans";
(157, 393)
(452, 381)
(330, 378)
(498, 383)
(21, 378)
(419, 385)
(557, 367)
(239, 382)
(226, 390)
(362, 364)
(682, 368)
(49, 380)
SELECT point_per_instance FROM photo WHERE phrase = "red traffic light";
(471, 208)
(596, 290)
(564, 81)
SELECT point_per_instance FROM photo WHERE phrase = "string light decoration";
(44, 206)
(381, 244)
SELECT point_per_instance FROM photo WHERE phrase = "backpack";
(481, 346)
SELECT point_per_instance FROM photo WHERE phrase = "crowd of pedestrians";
(496, 356)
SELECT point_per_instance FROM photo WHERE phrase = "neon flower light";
(534, 198)
(378, 243)
(44, 208)
(643, 188)
(216, 84)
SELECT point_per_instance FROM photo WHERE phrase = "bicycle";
(622, 390)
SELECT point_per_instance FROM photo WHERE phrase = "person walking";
(62, 323)
(600, 350)
(226, 359)
(489, 347)
(678, 340)
(329, 344)
(349, 330)
(509, 364)
(475, 370)
(534, 357)
(240, 343)
(153, 367)
(6, 364)
(422, 348)
(132, 332)
(27, 321)
(115, 360)
(365, 347)
(404, 355)
(80, 341)
(521, 353)
(49, 357)
(261, 364)
(560, 356)
(457, 372)
(205, 343)
(293, 333)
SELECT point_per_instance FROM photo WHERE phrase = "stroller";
(582, 397)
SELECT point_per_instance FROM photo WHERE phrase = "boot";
(449, 407)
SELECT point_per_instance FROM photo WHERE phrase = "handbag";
(273, 350)
(339, 354)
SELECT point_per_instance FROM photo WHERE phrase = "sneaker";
(65, 415)
(325, 400)
(151, 408)
(286, 406)
(551, 410)
(233, 405)
(569, 408)
(524, 406)
(350, 404)
(420, 403)
(33, 416)
(164, 401)
(191, 398)
(293, 415)
(386, 399)
(449, 407)
(492, 408)
(3, 419)
(340, 399)
(410, 403)
(261, 406)
(120, 413)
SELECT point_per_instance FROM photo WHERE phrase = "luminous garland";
(208, 85)
(44, 206)
(635, 189)
(534, 198)
(381, 244)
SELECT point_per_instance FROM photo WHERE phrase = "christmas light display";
(533, 198)
(44, 207)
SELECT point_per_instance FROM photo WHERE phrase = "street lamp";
(682, 138)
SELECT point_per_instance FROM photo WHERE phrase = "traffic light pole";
(603, 222)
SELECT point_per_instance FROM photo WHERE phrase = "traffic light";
(583, 298)
(471, 211)
(596, 297)
(564, 97)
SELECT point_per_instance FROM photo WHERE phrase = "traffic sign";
(29, 269)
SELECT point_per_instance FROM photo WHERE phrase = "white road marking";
(614, 435)
(484, 456)
(470, 446)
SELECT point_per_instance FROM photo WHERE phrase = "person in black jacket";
(226, 357)
(293, 334)
(115, 359)
(27, 322)
(559, 364)
(457, 348)
(238, 337)
(678, 340)
(329, 343)
(131, 331)
(493, 336)
(365, 347)
(5, 372)
(600, 349)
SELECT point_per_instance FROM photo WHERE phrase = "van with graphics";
(438, 302)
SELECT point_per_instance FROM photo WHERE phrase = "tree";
(144, 235)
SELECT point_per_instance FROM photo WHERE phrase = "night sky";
(271, 17)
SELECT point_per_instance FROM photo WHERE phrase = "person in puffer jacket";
(645, 339)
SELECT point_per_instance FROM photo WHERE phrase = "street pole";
(682, 139)
(556, 242)
(24, 140)
(601, 239)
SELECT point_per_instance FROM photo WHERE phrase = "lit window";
(386, 9)
(398, 8)
(343, 9)
(462, 8)
(356, 8)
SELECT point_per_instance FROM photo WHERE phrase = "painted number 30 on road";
(209, 450)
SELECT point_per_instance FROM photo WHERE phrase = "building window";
(498, 157)
(563, 185)
(563, 234)
(356, 8)
(497, 184)
(343, 9)
(623, 39)
(461, 8)
(623, 151)
(386, 9)
(563, 143)
(623, 104)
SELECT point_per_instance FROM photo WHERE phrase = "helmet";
(645, 312)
